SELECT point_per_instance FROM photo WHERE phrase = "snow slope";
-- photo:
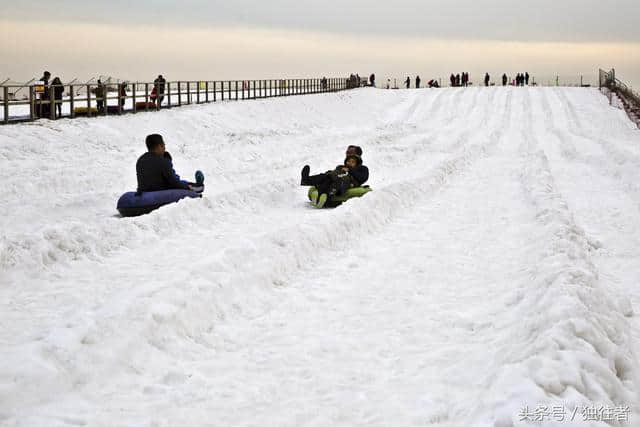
(494, 267)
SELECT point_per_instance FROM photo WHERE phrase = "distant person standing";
(417, 82)
(44, 95)
(504, 79)
(457, 79)
(452, 80)
(158, 85)
(526, 78)
(100, 94)
(372, 79)
(407, 82)
(487, 79)
(122, 93)
(58, 90)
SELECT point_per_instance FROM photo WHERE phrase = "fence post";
(32, 103)
(52, 102)
(236, 90)
(72, 95)
(120, 98)
(198, 92)
(188, 93)
(106, 99)
(133, 89)
(146, 96)
(179, 94)
(89, 100)
(214, 91)
(169, 94)
(229, 97)
(5, 93)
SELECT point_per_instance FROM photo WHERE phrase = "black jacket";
(58, 91)
(359, 174)
(159, 85)
(155, 173)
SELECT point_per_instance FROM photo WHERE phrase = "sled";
(335, 201)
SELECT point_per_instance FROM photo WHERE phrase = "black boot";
(305, 175)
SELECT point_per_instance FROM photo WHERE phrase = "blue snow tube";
(134, 204)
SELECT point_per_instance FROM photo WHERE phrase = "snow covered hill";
(492, 273)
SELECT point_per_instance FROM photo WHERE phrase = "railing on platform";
(92, 99)
(630, 99)
(608, 80)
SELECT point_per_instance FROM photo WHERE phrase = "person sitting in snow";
(154, 171)
(352, 173)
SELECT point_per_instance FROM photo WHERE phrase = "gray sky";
(539, 20)
(242, 32)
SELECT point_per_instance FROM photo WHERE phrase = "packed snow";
(493, 270)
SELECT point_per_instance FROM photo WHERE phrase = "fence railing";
(630, 99)
(93, 99)
(608, 79)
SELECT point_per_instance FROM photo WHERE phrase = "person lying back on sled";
(360, 172)
(154, 171)
(336, 182)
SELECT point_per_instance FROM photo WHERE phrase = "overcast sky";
(237, 30)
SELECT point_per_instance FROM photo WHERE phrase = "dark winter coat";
(57, 92)
(158, 84)
(359, 175)
(155, 173)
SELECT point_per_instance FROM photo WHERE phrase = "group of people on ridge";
(457, 80)
(101, 91)
(44, 109)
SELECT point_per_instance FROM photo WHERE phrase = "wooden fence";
(629, 98)
(89, 100)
